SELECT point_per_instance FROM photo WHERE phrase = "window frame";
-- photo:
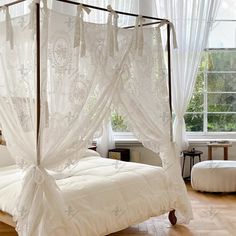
(205, 134)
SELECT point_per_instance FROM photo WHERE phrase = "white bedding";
(103, 195)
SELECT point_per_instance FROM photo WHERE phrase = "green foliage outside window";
(216, 83)
(214, 96)
(118, 123)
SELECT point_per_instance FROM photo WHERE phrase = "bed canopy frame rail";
(156, 21)
(5, 217)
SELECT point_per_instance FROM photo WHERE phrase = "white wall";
(143, 155)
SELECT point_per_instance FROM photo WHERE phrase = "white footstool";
(214, 176)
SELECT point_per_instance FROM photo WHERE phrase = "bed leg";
(172, 217)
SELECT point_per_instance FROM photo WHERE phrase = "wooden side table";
(93, 147)
(224, 145)
(122, 154)
(192, 155)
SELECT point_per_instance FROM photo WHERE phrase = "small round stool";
(192, 155)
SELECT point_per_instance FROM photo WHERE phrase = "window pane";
(221, 122)
(222, 35)
(227, 10)
(194, 122)
(199, 85)
(196, 102)
(221, 82)
(222, 102)
(203, 63)
(118, 123)
(222, 61)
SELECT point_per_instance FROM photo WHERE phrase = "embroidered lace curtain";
(85, 67)
(142, 98)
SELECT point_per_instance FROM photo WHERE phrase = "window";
(120, 128)
(212, 108)
(118, 123)
(213, 104)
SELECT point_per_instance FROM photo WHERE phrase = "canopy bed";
(59, 78)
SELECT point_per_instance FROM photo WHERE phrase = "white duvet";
(103, 195)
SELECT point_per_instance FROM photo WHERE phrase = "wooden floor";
(214, 215)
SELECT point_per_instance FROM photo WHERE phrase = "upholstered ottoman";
(214, 176)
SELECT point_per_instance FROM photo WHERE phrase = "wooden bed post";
(38, 88)
(172, 217)
(169, 80)
(7, 219)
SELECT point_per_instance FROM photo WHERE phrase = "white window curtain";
(84, 68)
(106, 139)
(192, 20)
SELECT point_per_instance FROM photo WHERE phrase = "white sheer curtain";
(76, 93)
(84, 68)
(192, 20)
(141, 97)
(106, 140)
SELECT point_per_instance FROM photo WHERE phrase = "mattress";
(103, 195)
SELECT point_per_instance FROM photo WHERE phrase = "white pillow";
(7, 160)
(65, 174)
(91, 153)
(5, 157)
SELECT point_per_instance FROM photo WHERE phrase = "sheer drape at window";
(192, 20)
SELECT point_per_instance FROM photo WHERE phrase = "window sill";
(126, 139)
(211, 136)
(200, 138)
(128, 142)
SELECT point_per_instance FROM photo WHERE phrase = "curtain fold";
(106, 139)
(77, 91)
(192, 20)
(76, 94)
(140, 99)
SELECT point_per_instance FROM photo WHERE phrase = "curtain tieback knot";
(36, 1)
(9, 28)
(38, 175)
(32, 7)
(112, 32)
(139, 37)
(172, 28)
(32, 21)
(3, 8)
(79, 37)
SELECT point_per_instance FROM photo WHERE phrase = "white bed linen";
(103, 195)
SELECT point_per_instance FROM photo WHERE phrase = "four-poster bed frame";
(5, 217)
